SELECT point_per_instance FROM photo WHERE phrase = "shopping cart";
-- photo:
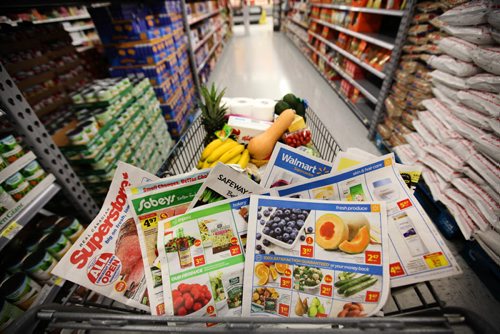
(411, 309)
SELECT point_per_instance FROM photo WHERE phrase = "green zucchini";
(360, 287)
(344, 278)
(353, 282)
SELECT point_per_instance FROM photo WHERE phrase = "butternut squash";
(262, 146)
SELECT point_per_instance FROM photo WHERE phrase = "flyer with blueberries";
(289, 165)
(202, 259)
(315, 259)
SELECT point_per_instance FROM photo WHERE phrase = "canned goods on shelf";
(17, 186)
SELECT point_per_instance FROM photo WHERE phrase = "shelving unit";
(63, 19)
(372, 85)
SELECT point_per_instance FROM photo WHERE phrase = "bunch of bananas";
(227, 151)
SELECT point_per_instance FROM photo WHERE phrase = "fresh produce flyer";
(107, 257)
(150, 203)
(417, 252)
(224, 182)
(315, 258)
(288, 165)
(202, 259)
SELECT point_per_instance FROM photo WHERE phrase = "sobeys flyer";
(315, 258)
(202, 259)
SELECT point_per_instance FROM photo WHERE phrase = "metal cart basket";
(412, 309)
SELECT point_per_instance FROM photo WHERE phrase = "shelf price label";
(326, 290)
(406, 203)
(199, 260)
(149, 221)
(372, 296)
(373, 257)
(285, 282)
(284, 309)
(11, 230)
(306, 251)
(395, 269)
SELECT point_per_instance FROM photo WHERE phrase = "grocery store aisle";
(266, 64)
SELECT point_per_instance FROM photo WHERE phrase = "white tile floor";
(266, 64)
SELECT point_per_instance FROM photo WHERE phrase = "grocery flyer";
(315, 259)
(224, 182)
(150, 203)
(107, 257)
(288, 165)
(202, 259)
(417, 251)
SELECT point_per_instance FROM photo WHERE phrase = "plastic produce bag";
(445, 90)
(484, 81)
(488, 58)
(495, 33)
(472, 13)
(457, 48)
(470, 115)
(494, 18)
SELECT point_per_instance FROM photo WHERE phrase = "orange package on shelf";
(346, 88)
(363, 22)
(356, 96)
(359, 3)
(315, 12)
(353, 70)
(327, 33)
(343, 40)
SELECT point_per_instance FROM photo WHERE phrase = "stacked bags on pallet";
(457, 132)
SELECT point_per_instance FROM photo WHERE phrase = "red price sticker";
(326, 290)
(285, 282)
(234, 241)
(309, 240)
(373, 257)
(120, 286)
(404, 204)
(306, 251)
(395, 269)
(283, 309)
(197, 242)
(199, 260)
(235, 250)
(288, 272)
(372, 296)
(328, 279)
(210, 309)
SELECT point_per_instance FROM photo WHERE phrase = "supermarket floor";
(265, 64)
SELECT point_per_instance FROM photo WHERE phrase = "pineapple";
(212, 112)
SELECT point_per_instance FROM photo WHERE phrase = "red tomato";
(197, 306)
(178, 302)
(176, 293)
(188, 302)
(182, 311)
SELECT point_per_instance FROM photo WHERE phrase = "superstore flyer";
(288, 165)
(417, 252)
(315, 259)
(202, 259)
(150, 203)
(107, 257)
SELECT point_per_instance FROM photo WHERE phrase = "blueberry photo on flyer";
(315, 259)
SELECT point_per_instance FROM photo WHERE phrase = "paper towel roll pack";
(261, 109)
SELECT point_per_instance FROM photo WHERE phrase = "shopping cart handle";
(109, 323)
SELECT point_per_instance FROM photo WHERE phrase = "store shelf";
(210, 53)
(63, 19)
(392, 12)
(16, 218)
(204, 16)
(16, 166)
(362, 110)
(299, 23)
(368, 89)
(84, 48)
(298, 36)
(206, 38)
(377, 39)
(79, 28)
(350, 56)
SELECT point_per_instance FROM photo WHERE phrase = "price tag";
(372, 257)
(199, 260)
(283, 309)
(436, 260)
(235, 250)
(11, 230)
(328, 279)
(395, 269)
(285, 282)
(372, 296)
(326, 290)
(149, 221)
(306, 251)
(404, 204)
